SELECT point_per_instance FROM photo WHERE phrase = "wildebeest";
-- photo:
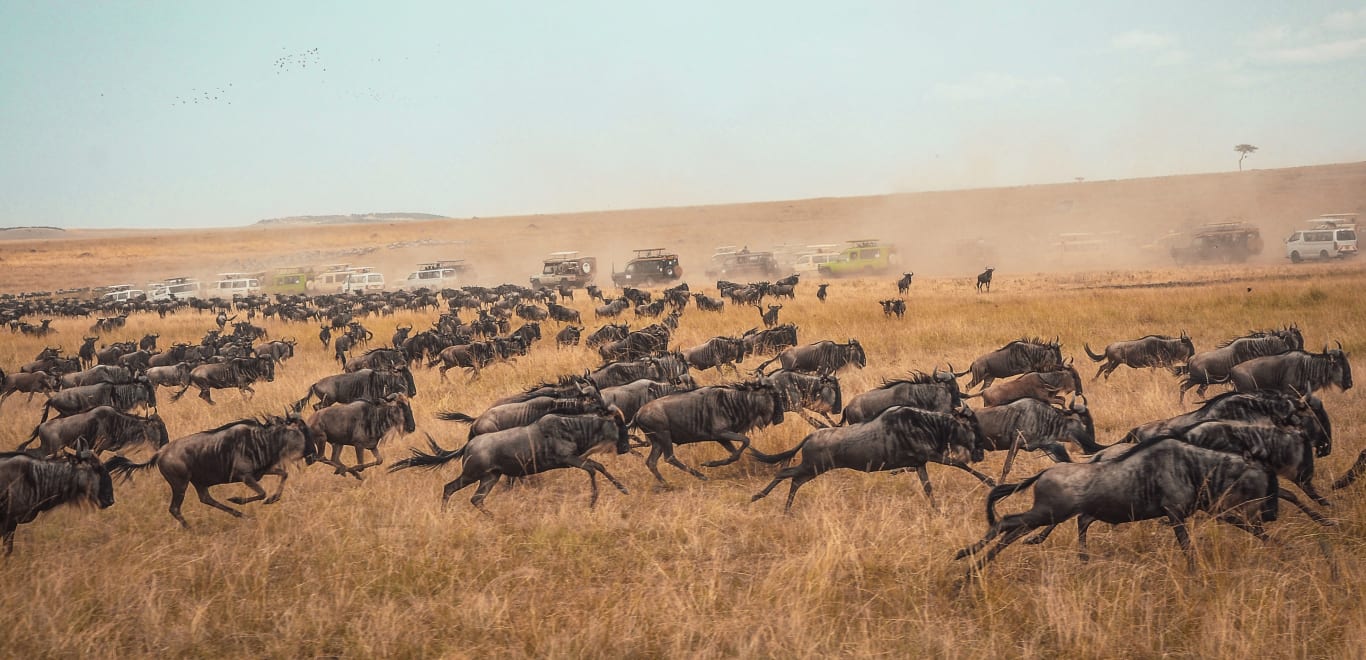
(1046, 386)
(984, 280)
(1039, 426)
(904, 284)
(512, 415)
(666, 368)
(1213, 367)
(88, 397)
(400, 335)
(87, 351)
(100, 373)
(236, 373)
(1163, 477)
(936, 392)
(382, 359)
(716, 353)
(242, 451)
(148, 342)
(358, 385)
(30, 383)
(552, 442)
(890, 307)
(707, 303)
(103, 428)
(770, 317)
(278, 350)
(361, 425)
(1263, 406)
(716, 414)
(820, 292)
(563, 388)
(772, 340)
(608, 333)
(1148, 352)
(900, 438)
(1018, 357)
(633, 396)
(822, 356)
(1296, 371)
(563, 314)
(612, 309)
(802, 392)
(473, 357)
(173, 376)
(651, 340)
(29, 486)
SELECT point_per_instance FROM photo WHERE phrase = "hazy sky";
(191, 113)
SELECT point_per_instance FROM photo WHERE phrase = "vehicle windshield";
(1347, 235)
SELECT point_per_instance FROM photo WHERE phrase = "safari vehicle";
(177, 287)
(235, 284)
(290, 280)
(865, 256)
(1218, 242)
(331, 279)
(121, 293)
(566, 269)
(437, 274)
(650, 266)
(364, 278)
(743, 264)
(1330, 236)
(814, 256)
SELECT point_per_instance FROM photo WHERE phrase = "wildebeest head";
(154, 431)
(968, 420)
(618, 419)
(408, 380)
(297, 436)
(856, 353)
(1188, 344)
(1341, 369)
(828, 396)
(89, 477)
(399, 403)
(265, 367)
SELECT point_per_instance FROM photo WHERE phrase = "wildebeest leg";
(1255, 529)
(726, 441)
(1056, 452)
(250, 482)
(925, 481)
(1313, 515)
(486, 484)
(798, 481)
(1183, 536)
(596, 466)
(1308, 487)
(1083, 522)
(1010, 455)
(1011, 536)
(337, 466)
(205, 497)
(450, 489)
(379, 460)
(204, 394)
(178, 498)
(1352, 473)
(1041, 536)
(967, 468)
(280, 472)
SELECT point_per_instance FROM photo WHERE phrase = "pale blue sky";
(494, 108)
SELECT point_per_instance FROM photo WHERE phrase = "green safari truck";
(867, 256)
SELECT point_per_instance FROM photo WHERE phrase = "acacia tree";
(1245, 150)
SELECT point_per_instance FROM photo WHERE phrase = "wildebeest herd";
(1225, 458)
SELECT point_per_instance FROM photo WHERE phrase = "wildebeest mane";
(913, 378)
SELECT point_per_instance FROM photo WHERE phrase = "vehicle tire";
(1323, 254)
(1295, 257)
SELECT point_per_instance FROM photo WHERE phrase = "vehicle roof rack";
(649, 252)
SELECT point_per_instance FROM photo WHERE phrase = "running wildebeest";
(358, 385)
(29, 486)
(243, 451)
(772, 340)
(802, 392)
(173, 376)
(103, 428)
(1045, 386)
(709, 414)
(473, 357)
(612, 309)
(30, 383)
(1018, 357)
(984, 280)
(820, 292)
(770, 317)
(608, 333)
(904, 284)
(521, 413)
(380, 359)
(1163, 477)
(822, 356)
(1296, 371)
(715, 353)
(1262, 406)
(707, 303)
(565, 387)
(935, 392)
(900, 438)
(568, 336)
(100, 373)
(278, 350)
(552, 442)
(88, 397)
(667, 368)
(633, 396)
(1039, 426)
(1152, 351)
(236, 373)
(361, 425)
(1213, 367)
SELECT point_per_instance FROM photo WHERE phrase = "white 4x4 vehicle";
(1331, 237)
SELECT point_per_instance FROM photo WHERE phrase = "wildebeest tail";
(121, 466)
(759, 370)
(960, 374)
(420, 459)
(1005, 490)
(1350, 476)
(453, 416)
(779, 457)
(34, 436)
(1093, 356)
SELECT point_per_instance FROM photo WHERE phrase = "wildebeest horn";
(1339, 343)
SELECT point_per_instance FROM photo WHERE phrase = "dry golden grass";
(863, 566)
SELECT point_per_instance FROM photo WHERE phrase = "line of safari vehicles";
(1329, 236)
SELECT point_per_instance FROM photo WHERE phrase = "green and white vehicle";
(867, 256)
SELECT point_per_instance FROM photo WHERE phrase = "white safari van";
(365, 279)
(813, 257)
(1331, 236)
(176, 287)
(235, 284)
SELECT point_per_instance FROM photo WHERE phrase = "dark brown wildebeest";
(243, 451)
(595, 293)
(565, 387)
(52, 364)
(177, 375)
(148, 342)
(552, 442)
(30, 383)
(87, 351)
(804, 392)
(608, 333)
(715, 353)
(379, 359)
(772, 340)
(707, 303)
(820, 292)
(1297, 371)
(562, 314)
(100, 373)
(1148, 352)
(473, 357)
(1160, 478)
(136, 361)
(1018, 357)
(900, 438)
(1213, 367)
(103, 428)
(361, 425)
(38, 330)
(612, 309)
(820, 357)
(110, 354)
(88, 397)
(1046, 386)
(708, 414)
(631, 397)
(904, 284)
(359, 385)
(512, 415)
(650, 340)
(29, 486)
(890, 307)
(669, 368)
(1040, 426)
(237, 373)
(984, 280)
(770, 317)
(935, 392)
(568, 336)
(1268, 407)
(400, 335)
(278, 350)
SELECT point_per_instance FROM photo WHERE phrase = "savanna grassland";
(862, 567)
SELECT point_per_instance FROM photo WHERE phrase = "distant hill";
(354, 218)
(27, 233)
